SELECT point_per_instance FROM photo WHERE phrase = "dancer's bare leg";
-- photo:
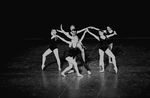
(72, 70)
(110, 47)
(56, 53)
(109, 53)
(71, 60)
(83, 57)
(82, 51)
(47, 52)
(101, 59)
(67, 69)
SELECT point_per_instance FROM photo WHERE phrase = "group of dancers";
(105, 40)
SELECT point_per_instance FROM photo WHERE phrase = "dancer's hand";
(115, 33)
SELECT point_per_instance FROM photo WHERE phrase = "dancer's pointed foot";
(43, 67)
(115, 68)
(63, 74)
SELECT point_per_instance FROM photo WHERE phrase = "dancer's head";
(72, 27)
(73, 32)
(53, 32)
(109, 29)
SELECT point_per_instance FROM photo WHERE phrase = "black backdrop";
(36, 19)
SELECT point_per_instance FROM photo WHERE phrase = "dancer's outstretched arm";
(94, 28)
(83, 36)
(93, 35)
(68, 42)
(64, 32)
(111, 34)
(79, 31)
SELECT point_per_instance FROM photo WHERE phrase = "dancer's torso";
(103, 43)
(73, 49)
(52, 44)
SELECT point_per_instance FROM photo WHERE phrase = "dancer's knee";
(70, 66)
(44, 55)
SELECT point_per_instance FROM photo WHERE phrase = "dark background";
(36, 19)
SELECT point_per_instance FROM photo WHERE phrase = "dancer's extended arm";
(82, 36)
(68, 42)
(94, 28)
(64, 32)
(79, 31)
(111, 34)
(93, 35)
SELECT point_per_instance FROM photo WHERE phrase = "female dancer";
(74, 33)
(104, 48)
(79, 44)
(72, 53)
(52, 48)
(110, 40)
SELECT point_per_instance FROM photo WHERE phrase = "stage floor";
(21, 74)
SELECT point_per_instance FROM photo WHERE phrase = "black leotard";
(52, 44)
(111, 39)
(103, 44)
(72, 52)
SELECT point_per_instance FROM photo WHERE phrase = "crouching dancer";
(72, 52)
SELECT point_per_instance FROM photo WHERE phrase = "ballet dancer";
(103, 48)
(52, 48)
(72, 52)
(111, 33)
(79, 44)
